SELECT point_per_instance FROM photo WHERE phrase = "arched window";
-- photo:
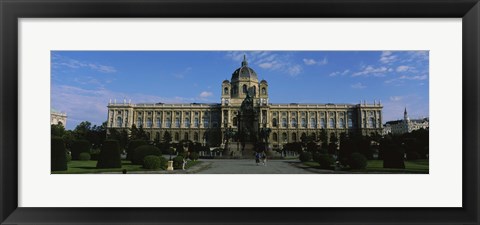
(195, 122)
(225, 90)
(245, 89)
(275, 137)
(157, 136)
(274, 122)
(254, 90)
(341, 123)
(371, 123)
(195, 136)
(304, 122)
(187, 122)
(313, 123)
(235, 89)
(159, 123)
(331, 123)
(177, 122)
(350, 123)
(235, 121)
(322, 123)
(119, 122)
(149, 122)
(177, 136)
(294, 137)
(205, 122)
(294, 122)
(284, 122)
(185, 136)
(264, 91)
(168, 123)
(139, 121)
(284, 137)
(148, 135)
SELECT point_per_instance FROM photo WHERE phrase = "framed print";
(320, 112)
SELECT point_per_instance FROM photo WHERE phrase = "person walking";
(257, 158)
(264, 159)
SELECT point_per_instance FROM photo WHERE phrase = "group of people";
(261, 157)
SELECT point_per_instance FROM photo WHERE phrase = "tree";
(137, 133)
(167, 139)
(57, 130)
(323, 139)
(82, 130)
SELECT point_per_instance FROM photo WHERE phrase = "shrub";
(393, 159)
(305, 156)
(413, 156)
(178, 162)
(58, 155)
(154, 162)
(325, 161)
(193, 156)
(84, 156)
(316, 156)
(79, 146)
(109, 155)
(357, 161)
(140, 152)
(132, 146)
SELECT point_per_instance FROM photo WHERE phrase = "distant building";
(58, 118)
(404, 126)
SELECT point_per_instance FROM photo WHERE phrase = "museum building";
(211, 123)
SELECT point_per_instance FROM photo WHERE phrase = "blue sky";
(83, 82)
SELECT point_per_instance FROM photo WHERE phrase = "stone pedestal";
(170, 165)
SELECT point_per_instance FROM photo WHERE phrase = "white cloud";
(387, 57)
(205, 94)
(295, 70)
(358, 86)
(372, 71)
(403, 68)
(182, 74)
(59, 61)
(396, 98)
(310, 62)
(339, 73)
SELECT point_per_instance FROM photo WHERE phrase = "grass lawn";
(78, 167)
(376, 166)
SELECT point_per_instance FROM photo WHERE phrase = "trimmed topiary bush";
(109, 155)
(58, 155)
(326, 161)
(84, 156)
(357, 161)
(152, 162)
(79, 146)
(413, 156)
(140, 152)
(193, 156)
(305, 157)
(316, 156)
(132, 146)
(178, 162)
(393, 159)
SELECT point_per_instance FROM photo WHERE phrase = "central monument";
(248, 126)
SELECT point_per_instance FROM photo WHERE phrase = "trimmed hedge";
(193, 156)
(79, 146)
(84, 156)
(178, 162)
(109, 155)
(357, 161)
(142, 151)
(305, 157)
(325, 161)
(58, 155)
(393, 159)
(413, 156)
(132, 146)
(154, 162)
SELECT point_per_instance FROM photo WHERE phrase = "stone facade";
(58, 118)
(288, 122)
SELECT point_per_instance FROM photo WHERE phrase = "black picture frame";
(11, 11)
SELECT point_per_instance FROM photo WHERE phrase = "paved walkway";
(248, 166)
